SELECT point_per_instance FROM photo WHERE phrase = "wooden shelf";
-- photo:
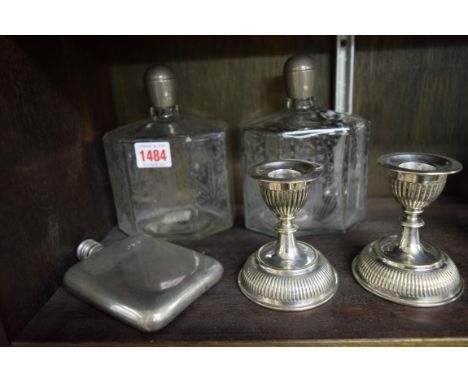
(223, 316)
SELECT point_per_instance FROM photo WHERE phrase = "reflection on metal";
(143, 281)
(404, 268)
(344, 74)
(287, 274)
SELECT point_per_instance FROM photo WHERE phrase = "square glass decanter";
(339, 142)
(169, 173)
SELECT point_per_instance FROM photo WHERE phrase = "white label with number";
(153, 154)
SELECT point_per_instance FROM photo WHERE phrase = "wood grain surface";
(3, 336)
(415, 92)
(55, 104)
(223, 316)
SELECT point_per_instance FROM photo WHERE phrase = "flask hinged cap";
(160, 84)
(300, 72)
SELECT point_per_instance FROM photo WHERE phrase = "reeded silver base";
(380, 268)
(309, 282)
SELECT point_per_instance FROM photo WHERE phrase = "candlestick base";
(304, 284)
(430, 279)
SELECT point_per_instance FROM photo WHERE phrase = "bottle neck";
(300, 105)
(162, 113)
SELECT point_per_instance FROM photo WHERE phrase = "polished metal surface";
(344, 74)
(403, 268)
(143, 281)
(160, 84)
(300, 74)
(88, 248)
(287, 274)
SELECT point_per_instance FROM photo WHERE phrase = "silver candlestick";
(287, 274)
(403, 268)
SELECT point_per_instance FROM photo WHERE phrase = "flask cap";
(300, 73)
(160, 84)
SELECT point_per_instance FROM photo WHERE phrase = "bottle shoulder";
(316, 120)
(180, 126)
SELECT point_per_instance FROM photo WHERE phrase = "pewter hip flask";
(142, 281)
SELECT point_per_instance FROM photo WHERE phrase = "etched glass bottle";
(169, 173)
(304, 131)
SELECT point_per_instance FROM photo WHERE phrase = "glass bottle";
(304, 131)
(169, 173)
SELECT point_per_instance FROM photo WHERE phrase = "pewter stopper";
(300, 74)
(160, 84)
